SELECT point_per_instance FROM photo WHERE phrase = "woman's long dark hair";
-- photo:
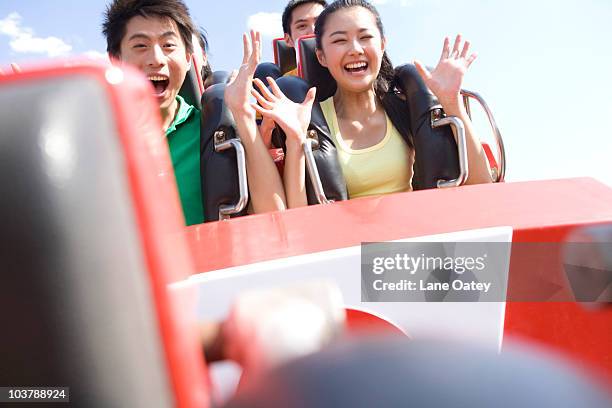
(384, 87)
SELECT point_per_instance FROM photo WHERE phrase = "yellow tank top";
(380, 169)
(293, 72)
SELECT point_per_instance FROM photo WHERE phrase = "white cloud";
(28, 44)
(10, 25)
(96, 55)
(268, 24)
(23, 40)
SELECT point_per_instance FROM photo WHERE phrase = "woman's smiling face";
(352, 48)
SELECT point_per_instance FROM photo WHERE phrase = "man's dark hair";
(287, 13)
(119, 12)
(203, 40)
(206, 71)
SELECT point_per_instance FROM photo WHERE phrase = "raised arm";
(293, 118)
(445, 82)
(265, 185)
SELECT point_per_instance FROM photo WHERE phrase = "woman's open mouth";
(160, 84)
(356, 67)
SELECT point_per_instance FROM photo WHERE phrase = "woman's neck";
(355, 105)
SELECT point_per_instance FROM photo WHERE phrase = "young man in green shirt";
(156, 37)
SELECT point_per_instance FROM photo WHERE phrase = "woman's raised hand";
(292, 117)
(238, 90)
(446, 79)
(445, 82)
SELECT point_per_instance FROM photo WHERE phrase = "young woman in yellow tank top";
(374, 157)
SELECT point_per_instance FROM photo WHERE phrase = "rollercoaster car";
(104, 285)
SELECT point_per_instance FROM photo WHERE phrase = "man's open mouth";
(160, 83)
(355, 67)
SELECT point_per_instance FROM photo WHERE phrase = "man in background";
(299, 19)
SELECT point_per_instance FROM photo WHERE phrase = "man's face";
(303, 19)
(154, 45)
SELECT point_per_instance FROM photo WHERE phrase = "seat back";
(221, 175)
(436, 152)
(223, 172)
(284, 55)
(312, 71)
(91, 243)
(217, 77)
(192, 87)
(267, 69)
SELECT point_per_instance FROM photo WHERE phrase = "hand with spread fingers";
(445, 82)
(265, 185)
(446, 79)
(238, 90)
(292, 117)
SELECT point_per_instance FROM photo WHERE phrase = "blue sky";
(544, 67)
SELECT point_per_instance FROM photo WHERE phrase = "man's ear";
(384, 43)
(321, 57)
(189, 57)
(289, 41)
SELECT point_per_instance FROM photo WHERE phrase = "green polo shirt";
(183, 136)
